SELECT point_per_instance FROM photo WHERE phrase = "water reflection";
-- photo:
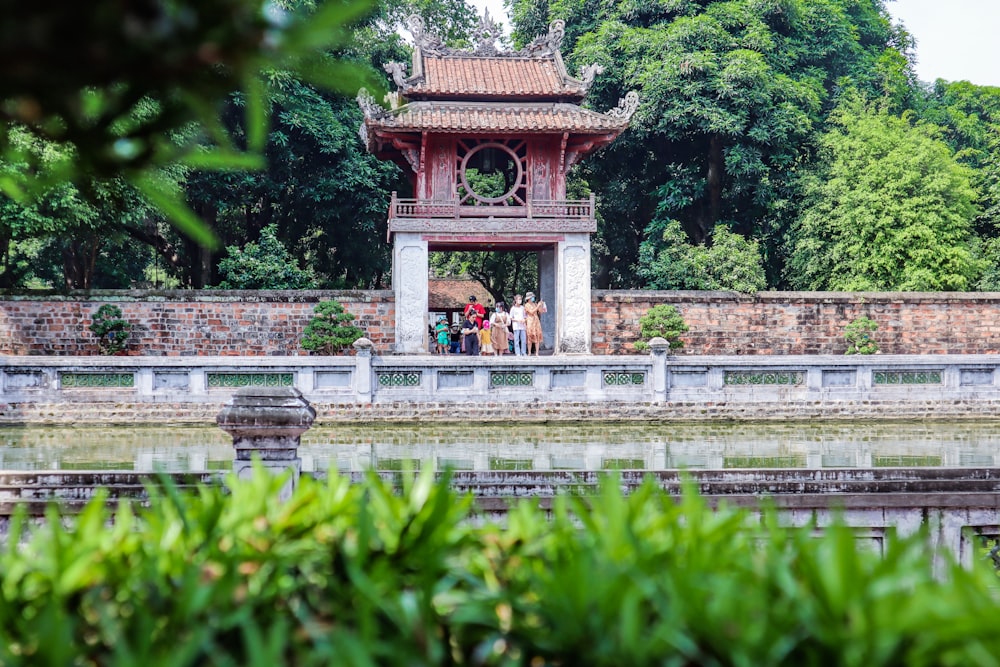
(511, 446)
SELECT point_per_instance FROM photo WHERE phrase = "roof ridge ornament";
(547, 45)
(424, 39)
(588, 73)
(626, 106)
(369, 106)
(486, 35)
(398, 73)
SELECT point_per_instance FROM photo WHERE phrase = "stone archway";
(564, 284)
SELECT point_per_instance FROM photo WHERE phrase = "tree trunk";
(79, 258)
(711, 210)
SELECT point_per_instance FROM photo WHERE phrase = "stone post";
(363, 369)
(267, 423)
(659, 347)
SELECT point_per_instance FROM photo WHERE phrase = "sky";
(957, 40)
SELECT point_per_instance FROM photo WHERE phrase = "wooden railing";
(577, 209)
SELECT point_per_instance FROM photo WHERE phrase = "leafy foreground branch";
(361, 575)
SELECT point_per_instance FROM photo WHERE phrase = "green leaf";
(176, 210)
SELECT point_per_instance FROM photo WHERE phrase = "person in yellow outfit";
(485, 339)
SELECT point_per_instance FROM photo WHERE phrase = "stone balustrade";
(567, 387)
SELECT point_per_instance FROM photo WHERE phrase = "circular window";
(491, 173)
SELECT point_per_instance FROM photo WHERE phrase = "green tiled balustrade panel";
(765, 377)
(97, 380)
(512, 379)
(906, 377)
(399, 379)
(235, 380)
(623, 379)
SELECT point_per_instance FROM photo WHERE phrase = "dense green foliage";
(731, 93)
(117, 85)
(886, 208)
(266, 264)
(360, 575)
(717, 184)
(731, 262)
(330, 330)
(111, 328)
(663, 321)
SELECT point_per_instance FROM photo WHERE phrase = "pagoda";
(488, 137)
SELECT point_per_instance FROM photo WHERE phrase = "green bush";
(111, 329)
(358, 574)
(266, 264)
(329, 331)
(859, 336)
(664, 321)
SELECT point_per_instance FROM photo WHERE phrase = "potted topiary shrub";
(111, 329)
(664, 321)
(330, 331)
(859, 336)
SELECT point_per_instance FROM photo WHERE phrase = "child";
(485, 340)
(441, 331)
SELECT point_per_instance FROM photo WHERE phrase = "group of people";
(518, 331)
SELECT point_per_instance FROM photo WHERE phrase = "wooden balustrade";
(580, 209)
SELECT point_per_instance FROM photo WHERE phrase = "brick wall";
(185, 323)
(215, 322)
(805, 322)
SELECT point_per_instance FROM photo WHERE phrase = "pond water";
(511, 446)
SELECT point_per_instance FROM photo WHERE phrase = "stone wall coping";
(506, 361)
(676, 296)
(197, 296)
(857, 298)
(136, 361)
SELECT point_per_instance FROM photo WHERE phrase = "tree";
(970, 118)
(887, 208)
(116, 84)
(731, 262)
(266, 264)
(731, 91)
(330, 330)
(76, 236)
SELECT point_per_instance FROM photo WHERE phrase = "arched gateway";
(489, 137)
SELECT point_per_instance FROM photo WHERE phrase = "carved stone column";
(409, 283)
(267, 423)
(572, 312)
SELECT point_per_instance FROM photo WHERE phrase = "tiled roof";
(453, 293)
(467, 76)
(483, 117)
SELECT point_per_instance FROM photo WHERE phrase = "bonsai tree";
(330, 331)
(111, 329)
(664, 321)
(859, 336)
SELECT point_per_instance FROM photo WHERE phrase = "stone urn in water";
(266, 424)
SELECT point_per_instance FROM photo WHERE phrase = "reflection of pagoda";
(489, 138)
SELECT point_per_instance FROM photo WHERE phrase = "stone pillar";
(659, 348)
(363, 369)
(409, 284)
(267, 423)
(572, 311)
